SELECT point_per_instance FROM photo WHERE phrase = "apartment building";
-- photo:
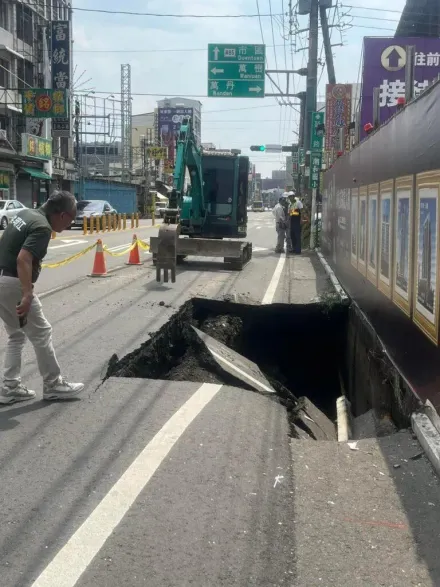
(35, 153)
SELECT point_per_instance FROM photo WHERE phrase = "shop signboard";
(37, 147)
(61, 70)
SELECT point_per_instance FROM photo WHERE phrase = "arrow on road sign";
(215, 71)
(216, 52)
(257, 89)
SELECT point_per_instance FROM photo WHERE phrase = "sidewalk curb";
(338, 287)
(428, 437)
(343, 419)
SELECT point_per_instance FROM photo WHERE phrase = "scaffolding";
(126, 117)
(98, 135)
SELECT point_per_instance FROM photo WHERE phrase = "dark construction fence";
(381, 235)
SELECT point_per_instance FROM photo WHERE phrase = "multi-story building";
(31, 162)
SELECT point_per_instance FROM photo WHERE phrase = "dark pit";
(299, 348)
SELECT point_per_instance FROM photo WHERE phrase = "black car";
(91, 208)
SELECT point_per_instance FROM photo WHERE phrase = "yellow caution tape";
(69, 259)
(143, 245)
(120, 253)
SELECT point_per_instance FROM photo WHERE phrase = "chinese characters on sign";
(317, 134)
(168, 122)
(337, 114)
(236, 71)
(61, 71)
(158, 153)
(58, 165)
(315, 169)
(5, 180)
(41, 103)
(384, 68)
(32, 146)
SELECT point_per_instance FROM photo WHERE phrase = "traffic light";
(258, 148)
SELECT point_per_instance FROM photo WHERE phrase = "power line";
(148, 50)
(169, 15)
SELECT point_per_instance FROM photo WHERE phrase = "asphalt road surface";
(145, 482)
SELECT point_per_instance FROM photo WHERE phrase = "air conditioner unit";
(3, 135)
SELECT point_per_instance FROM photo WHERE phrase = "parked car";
(160, 209)
(9, 209)
(91, 208)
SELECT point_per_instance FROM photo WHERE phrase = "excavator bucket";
(165, 254)
(236, 254)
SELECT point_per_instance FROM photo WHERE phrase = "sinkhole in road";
(298, 349)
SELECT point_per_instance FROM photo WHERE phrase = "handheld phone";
(22, 319)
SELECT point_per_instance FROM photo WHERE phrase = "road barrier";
(109, 223)
(102, 249)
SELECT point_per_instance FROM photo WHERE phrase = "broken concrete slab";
(315, 422)
(235, 364)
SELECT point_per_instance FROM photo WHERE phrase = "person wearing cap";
(280, 213)
(295, 208)
(23, 247)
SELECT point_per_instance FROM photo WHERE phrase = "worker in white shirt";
(280, 213)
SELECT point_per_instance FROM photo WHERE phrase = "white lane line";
(271, 290)
(119, 247)
(258, 228)
(69, 244)
(77, 554)
(238, 370)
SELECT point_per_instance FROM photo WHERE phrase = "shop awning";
(35, 173)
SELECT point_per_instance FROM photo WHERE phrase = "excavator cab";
(207, 208)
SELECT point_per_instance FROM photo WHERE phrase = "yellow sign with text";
(158, 153)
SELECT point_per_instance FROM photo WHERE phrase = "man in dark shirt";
(22, 249)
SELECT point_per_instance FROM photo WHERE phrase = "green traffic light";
(258, 148)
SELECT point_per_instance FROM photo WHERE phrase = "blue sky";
(104, 41)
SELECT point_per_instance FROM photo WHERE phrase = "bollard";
(97, 223)
(124, 221)
(119, 222)
(84, 225)
(115, 221)
(132, 220)
(109, 225)
(53, 235)
(91, 225)
(104, 225)
(137, 219)
(153, 210)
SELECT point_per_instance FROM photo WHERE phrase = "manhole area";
(297, 350)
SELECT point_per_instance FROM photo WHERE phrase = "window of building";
(25, 73)
(64, 147)
(5, 68)
(4, 15)
(24, 23)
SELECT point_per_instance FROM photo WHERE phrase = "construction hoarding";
(380, 224)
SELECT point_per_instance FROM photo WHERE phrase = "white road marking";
(258, 228)
(240, 371)
(77, 554)
(271, 290)
(258, 249)
(119, 247)
(68, 244)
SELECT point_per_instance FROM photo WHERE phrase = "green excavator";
(207, 211)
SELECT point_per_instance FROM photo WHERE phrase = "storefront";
(7, 176)
(33, 183)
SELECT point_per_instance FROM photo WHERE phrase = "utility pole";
(312, 71)
(327, 45)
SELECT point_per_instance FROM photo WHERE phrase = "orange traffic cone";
(134, 258)
(99, 268)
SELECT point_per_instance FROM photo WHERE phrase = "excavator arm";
(188, 157)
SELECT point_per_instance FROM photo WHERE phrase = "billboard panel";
(384, 68)
(61, 70)
(169, 121)
(337, 114)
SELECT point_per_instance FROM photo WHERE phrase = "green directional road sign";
(236, 71)
(317, 136)
(301, 156)
(315, 168)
